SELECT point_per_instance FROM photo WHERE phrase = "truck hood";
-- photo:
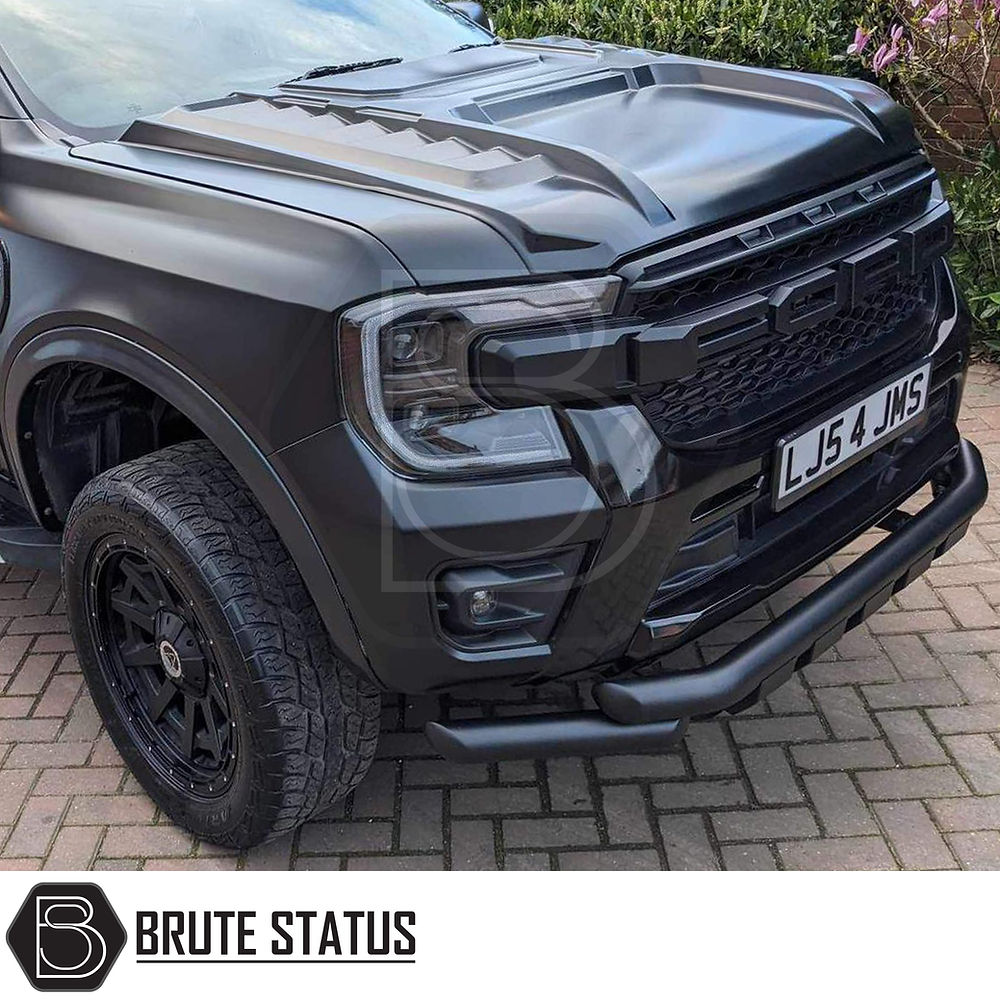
(575, 153)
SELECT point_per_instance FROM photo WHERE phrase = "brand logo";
(171, 660)
(675, 348)
(66, 937)
(819, 296)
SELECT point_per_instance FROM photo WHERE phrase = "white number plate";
(809, 458)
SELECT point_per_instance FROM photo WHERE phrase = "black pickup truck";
(347, 349)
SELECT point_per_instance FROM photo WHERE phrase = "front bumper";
(634, 508)
(652, 713)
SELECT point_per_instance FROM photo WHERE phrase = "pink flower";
(884, 58)
(937, 14)
(896, 35)
(861, 39)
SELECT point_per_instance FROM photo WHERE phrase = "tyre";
(204, 652)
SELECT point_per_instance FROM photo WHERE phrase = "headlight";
(404, 363)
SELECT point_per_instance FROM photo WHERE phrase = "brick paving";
(885, 754)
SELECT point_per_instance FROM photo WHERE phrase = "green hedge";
(976, 258)
(790, 34)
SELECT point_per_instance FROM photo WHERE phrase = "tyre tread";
(328, 716)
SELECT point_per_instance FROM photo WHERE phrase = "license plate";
(807, 459)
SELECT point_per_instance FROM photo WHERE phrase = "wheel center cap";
(171, 660)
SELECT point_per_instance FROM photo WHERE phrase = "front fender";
(119, 354)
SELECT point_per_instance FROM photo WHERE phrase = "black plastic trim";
(521, 369)
(84, 344)
(30, 546)
(22, 541)
(649, 714)
(537, 736)
(768, 658)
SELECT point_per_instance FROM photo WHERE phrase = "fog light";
(482, 603)
(513, 602)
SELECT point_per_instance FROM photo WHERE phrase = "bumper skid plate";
(649, 714)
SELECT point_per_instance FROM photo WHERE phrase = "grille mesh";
(771, 267)
(735, 390)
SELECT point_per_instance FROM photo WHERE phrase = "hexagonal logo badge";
(66, 937)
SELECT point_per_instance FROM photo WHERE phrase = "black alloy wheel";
(160, 666)
(204, 652)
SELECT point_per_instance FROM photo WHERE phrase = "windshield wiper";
(478, 45)
(315, 74)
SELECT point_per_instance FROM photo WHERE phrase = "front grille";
(719, 284)
(734, 390)
(748, 389)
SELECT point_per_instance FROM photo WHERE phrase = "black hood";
(575, 153)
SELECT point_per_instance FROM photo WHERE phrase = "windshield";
(100, 64)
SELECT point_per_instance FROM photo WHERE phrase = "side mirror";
(474, 12)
